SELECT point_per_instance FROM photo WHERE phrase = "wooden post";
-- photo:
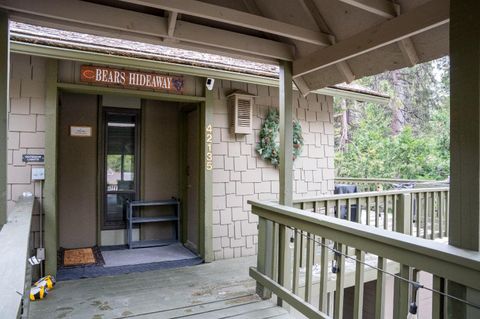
(286, 171)
(206, 127)
(464, 220)
(403, 222)
(50, 189)
(4, 100)
(264, 255)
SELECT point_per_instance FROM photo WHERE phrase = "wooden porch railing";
(15, 270)
(421, 212)
(383, 184)
(278, 272)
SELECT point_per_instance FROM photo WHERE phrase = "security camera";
(210, 83)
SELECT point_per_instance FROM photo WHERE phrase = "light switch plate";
(41, 253)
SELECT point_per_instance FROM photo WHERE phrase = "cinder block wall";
(26, 128)
(239, 174)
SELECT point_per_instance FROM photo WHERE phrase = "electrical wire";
(414, 284)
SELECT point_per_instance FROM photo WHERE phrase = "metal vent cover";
(241, 113)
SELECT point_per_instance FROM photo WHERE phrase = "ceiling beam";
(425, 17)
(172, 21)
(382, 8)
(407, 47)
(388, 9)
(90, 18)
(312, 9)
(238, 18)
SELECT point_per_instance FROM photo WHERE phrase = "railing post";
(403, 225)
(265, 255)
(403, 220)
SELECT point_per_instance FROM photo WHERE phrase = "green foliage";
(421, 149)
(268, 147)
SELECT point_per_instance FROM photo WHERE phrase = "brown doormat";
(78, 257)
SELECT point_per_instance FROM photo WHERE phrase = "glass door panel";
(120, 174)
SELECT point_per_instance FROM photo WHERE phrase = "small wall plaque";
(33, 158)
(81, 131)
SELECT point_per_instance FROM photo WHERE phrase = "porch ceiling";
(329, 41)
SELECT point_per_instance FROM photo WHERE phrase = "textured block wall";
(26, 128)
(239, 174)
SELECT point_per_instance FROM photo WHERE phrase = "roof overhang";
(329, 42)
(152, 65)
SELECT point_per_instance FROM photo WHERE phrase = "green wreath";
(269, 148)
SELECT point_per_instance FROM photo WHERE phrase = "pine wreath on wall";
(269, 147)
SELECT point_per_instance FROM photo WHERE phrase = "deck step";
(238, 308)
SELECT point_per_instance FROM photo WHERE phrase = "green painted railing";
(421, 212)
(383, 184)
(15, 271)
(279, 269)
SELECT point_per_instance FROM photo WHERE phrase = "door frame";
(51, 153)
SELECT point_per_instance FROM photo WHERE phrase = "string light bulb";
(412, 311)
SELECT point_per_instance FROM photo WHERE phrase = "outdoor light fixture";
(210, 83)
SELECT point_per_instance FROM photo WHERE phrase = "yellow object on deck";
(47, 282)
(38, 293)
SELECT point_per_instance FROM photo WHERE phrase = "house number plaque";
(208, 153)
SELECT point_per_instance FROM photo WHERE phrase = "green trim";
(90, 89)
(358, 96)
(206, 207)
(102, 58)
(4, 101)
(50, 190)
(182, 173)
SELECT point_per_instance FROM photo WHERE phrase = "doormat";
(78, 257)
(93, 271)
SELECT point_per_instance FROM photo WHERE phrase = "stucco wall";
(239, 174)
(26, 127)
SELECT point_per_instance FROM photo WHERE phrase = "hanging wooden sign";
(130, 79)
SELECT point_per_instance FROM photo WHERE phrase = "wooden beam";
(408, 51)
(4, 102)
(172, 21)
(302, 86)
(407, 47)
(387, 9)
(312, 9)
(236, 17)
(194, 33)
(382, 8)
(90, 18)
(425, 17)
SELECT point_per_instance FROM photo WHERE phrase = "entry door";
(121, 165)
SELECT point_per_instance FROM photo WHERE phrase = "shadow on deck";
(221, 289)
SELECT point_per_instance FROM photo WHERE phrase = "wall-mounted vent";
(240, 107)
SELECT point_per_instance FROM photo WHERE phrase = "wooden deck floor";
(221, 289)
